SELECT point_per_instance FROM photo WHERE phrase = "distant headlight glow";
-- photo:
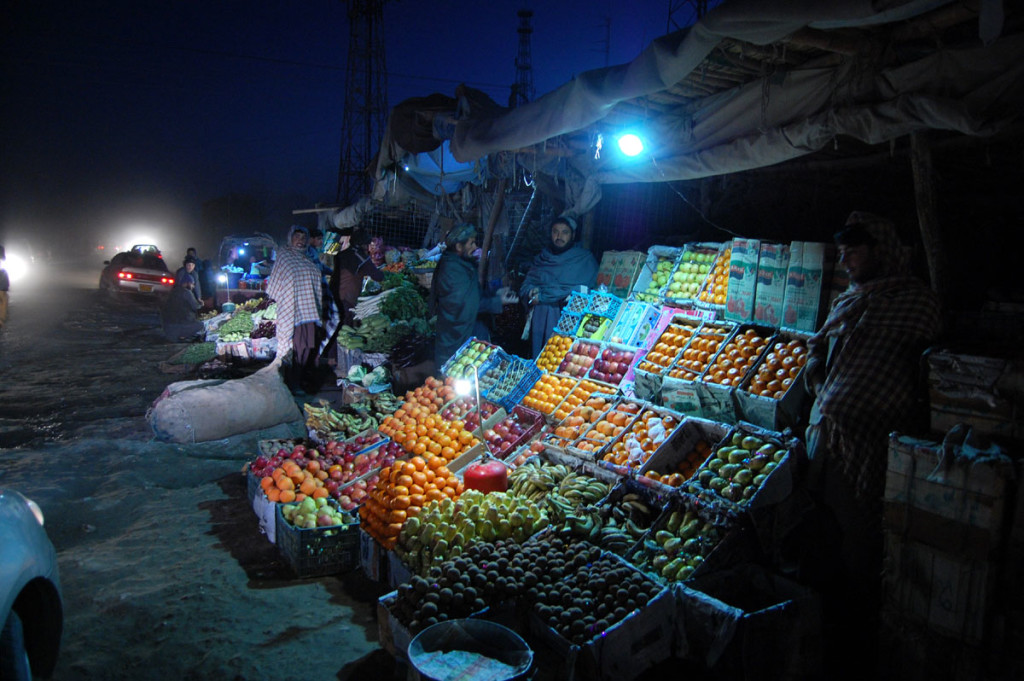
(16, 266)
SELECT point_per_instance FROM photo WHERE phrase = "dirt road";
(165, 573)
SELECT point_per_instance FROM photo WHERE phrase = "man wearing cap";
(178, 314)
(456, 296)
(862, 371)
(188, 266)
(562, 267)
(294, 284)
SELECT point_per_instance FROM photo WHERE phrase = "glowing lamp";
(630, 144)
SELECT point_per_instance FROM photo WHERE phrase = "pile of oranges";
(717, 284)
(583, 391)
(672, 339)
(780, 368)
(402, 492)
(698, 353)
(686, 467)
(736, 358)
(420, 430)
(548, 392)
(290, 482)
(639, 434)
(580, 419)
(554, 352)
(608, 427)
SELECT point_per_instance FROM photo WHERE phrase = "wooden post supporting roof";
(927, 211)
(492, 219)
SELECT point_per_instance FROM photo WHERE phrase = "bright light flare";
(463, 387)
(630, 144)
(16, 266)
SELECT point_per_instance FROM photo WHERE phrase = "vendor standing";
(456, 296)
(351, 264)
(562, 267)
(863, 371)
(294, 284)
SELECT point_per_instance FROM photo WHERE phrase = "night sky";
(121, 116)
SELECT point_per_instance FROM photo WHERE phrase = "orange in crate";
(717, 284)
(554, 352)
(582, 392)
(698, 354)
(665, 349)
(780, 369)
(642, 439)
(736, 358)
(548, 392)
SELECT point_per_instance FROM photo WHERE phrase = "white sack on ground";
(199, 411)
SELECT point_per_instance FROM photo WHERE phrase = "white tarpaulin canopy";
(891, 82)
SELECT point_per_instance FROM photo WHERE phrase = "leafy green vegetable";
(405, 303)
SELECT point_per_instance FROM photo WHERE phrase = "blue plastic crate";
(604, 304)
(578, 303)
(568, 323)
(446, 369)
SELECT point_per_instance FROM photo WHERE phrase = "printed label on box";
(772, 266)
(805, 277)
(739, 301)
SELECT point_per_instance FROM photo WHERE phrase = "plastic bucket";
(475, 637)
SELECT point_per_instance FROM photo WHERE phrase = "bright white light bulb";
(463, 387)
(630, 144)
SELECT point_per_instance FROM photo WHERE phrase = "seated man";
(179, 312)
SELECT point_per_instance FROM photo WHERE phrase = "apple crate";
(776, 486)
(449, 366)
(317, 551)
(642, 289)
(612, 363)
(693, 266)
(774, 413)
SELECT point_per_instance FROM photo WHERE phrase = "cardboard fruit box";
(756, 404)
(618, 271)
(945, 529)
(635, 445)
(647, 287)
(682, 450)
(747, 623)
(966, 388)
(739, 475)
(622, 652)
(715, 390)
(690, 272)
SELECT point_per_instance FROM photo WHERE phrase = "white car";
(31, 607)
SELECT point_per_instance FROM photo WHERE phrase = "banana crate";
(627, 514)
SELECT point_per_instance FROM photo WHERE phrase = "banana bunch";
(337, 425)
(385, 403)
(534, 480)
(582, 490)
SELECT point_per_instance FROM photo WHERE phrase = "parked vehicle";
(31, 607)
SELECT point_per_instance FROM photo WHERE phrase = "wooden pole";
(492, 219)
(927, 211)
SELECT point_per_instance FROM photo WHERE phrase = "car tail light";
(124, 275)
(167, 280)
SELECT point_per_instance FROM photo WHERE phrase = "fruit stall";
(587, 500)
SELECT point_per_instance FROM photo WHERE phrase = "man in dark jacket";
(456, 295)
(562, 267)
(179, 311)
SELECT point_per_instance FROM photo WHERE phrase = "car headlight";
(16, 266)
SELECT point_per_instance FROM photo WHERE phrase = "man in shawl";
(562, 267)
(456, 295)
(862, 370)
(294, 284)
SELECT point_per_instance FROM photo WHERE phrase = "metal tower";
(366, 98)
(522, 89)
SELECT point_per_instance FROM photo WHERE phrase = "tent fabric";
(788, 113)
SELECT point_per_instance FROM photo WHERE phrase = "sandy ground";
(165, 572)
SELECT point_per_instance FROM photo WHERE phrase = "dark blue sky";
(116, 114)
